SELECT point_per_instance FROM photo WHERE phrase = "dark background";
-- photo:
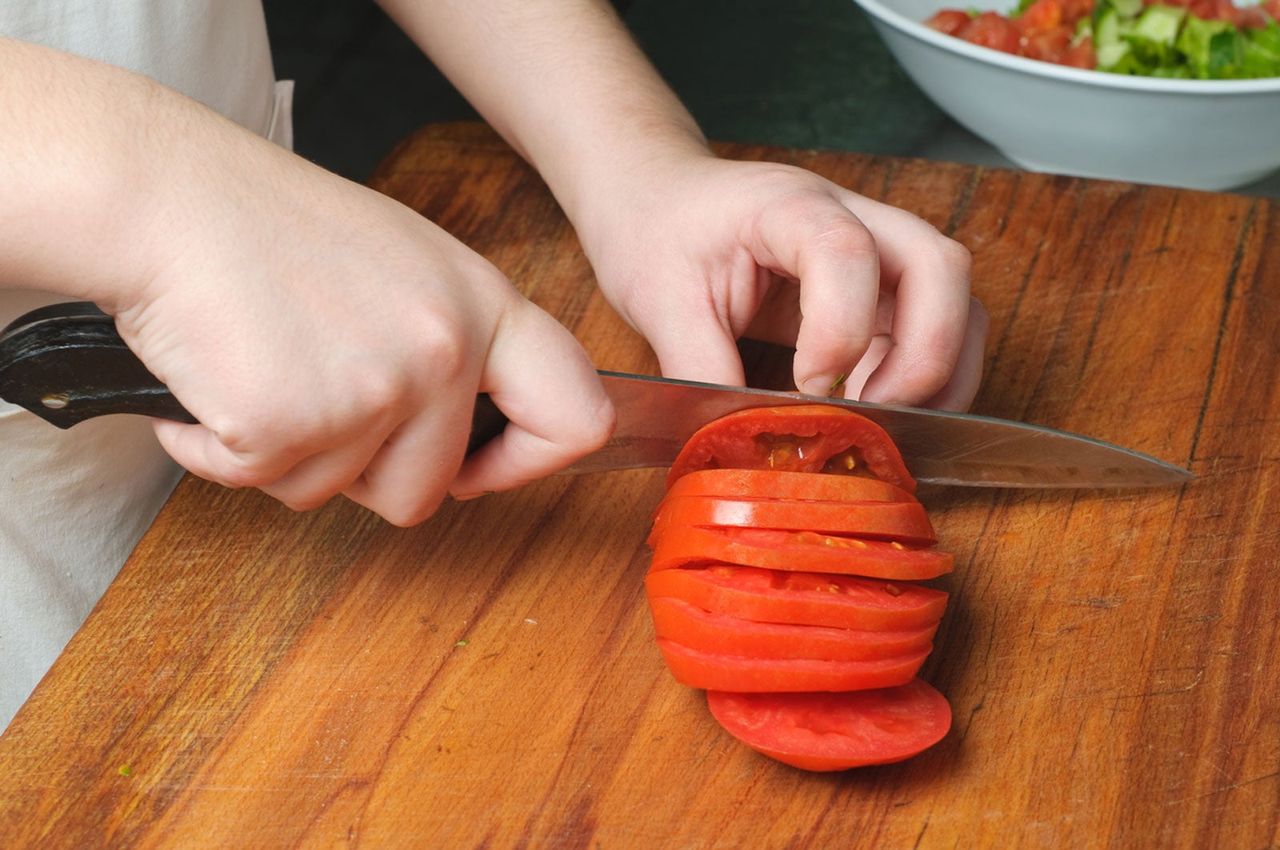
(803, 73)
(807, 73)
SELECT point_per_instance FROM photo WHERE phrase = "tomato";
(1041, 16)
(785, 675)
(1074, 10)
(1081, 55)
(949, 21)
(804, 551)
(991, 30)
(721, 634)
(772, 596)
(823, 731)
(800, 438)
(772, 484)
(905, 522)
(1046, 45)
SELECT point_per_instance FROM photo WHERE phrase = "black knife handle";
(67, 363)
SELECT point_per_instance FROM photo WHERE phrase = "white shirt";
(74, 503)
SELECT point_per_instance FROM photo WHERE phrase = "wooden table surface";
(258, 678)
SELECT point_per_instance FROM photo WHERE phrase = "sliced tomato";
(774, 596)
(721, 634)
(800, 438)
(905, 522)
(775, 484)
(825, 731)
(785, 675)
(805, 551)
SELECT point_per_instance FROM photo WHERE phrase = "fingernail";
(466, 497)
(825, 385)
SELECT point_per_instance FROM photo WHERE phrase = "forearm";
(91, 158)
(562, 81)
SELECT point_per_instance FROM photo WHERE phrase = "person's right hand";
(331, 340)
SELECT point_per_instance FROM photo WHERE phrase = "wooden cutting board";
(259, 678)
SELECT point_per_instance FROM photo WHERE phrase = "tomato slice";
(905, 522)
(721, 634)
(774, 596)
(823, 731)
(805, 551)
(785, 675)
(800, 438)
(772, 484)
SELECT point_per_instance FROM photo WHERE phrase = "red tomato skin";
(948, 21)
(905, 522)
(1074, 10)
(776, 484)
(719, 634)
(826, 732)
(804, 551)
(992, 30)
(1081, 55)
(742, 439)
(785, 675)
(1041, 16)
(813, 599)
(1046, 45)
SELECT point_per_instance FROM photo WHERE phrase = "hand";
(700, 251)
(331, 340)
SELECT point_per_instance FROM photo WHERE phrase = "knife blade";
(67, 363)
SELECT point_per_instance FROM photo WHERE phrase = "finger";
(538, 375)
(959, 392)
(698, 347)
(879, 347)
(931, 314)
(319, 478)
(824, 246)
(199, 450)
(410, 474)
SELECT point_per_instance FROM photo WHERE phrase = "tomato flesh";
(773, 484)
(787, 553)
(721, 634)
(805, 551)
(828, 731)
(814, 599)
(799, 438)
(905, 522)
(714, 672)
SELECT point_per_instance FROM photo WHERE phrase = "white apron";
(74, 503)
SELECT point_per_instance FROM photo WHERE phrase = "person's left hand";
(695, 252)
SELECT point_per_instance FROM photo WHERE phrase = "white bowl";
(1199, 134)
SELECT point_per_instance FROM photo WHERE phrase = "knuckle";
(408, 513)
(379, 397)
(848, 239)
(442, 345)
(246, 472)
(305, 501)
(954, 256)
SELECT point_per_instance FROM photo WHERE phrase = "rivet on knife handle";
(67, 363)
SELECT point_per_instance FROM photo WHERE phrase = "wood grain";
(270, 679)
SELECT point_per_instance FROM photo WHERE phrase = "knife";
(67, 363)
